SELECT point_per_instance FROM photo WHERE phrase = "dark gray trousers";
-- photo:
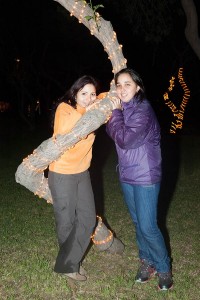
(75, 217)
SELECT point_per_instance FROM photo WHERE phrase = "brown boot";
(76, 276)
(82, 271)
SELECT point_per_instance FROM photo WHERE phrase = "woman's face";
(86, 96)
(126, 88)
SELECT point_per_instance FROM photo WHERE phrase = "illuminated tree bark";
(191, 30)
(98, 27)
(31, 172)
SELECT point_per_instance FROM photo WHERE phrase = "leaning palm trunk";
(30, 172)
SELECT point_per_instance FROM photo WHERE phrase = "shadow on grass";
(101, 151)
(170, 146)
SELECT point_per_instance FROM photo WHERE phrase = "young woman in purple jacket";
(135, 130)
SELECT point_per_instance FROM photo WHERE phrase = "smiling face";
(86, 96)
(126, 88)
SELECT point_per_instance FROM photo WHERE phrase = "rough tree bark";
(101, 29)
(191, 29)
(30, 172)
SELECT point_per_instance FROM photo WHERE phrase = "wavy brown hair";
(70, 96)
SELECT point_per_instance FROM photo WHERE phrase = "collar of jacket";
(132, 103)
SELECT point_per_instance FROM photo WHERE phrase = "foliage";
(95, 15)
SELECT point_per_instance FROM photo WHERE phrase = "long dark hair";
(136, 78)
(70, 96)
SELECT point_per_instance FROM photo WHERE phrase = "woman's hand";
(116, 102)
(92, 105)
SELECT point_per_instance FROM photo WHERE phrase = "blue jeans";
(142, 203)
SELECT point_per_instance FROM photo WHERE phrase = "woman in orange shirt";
(70, 184)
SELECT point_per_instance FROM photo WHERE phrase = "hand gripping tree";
(30, 172)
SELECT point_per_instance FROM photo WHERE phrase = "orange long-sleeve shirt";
(78, 158)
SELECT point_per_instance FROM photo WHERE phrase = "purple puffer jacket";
(136, 133)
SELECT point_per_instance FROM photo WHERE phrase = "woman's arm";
(130, 135)
(65, 119)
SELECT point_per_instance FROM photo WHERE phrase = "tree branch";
(191, 30)
(104, 33)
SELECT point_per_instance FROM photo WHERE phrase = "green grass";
(28, 243)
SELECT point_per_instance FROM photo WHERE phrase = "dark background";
(54, 50)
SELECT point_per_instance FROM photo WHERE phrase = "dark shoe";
(165, 281)
(76, 276)
(145, 272)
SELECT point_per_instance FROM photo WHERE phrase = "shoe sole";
(165, 289)
(84, 278)
(151, 276)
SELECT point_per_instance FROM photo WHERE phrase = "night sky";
(54, 50)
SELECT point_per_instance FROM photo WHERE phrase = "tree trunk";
(101, 29)
(191, 30)
(31, 171)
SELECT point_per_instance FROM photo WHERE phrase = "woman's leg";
(129, 197)
(146, 199)
(85, 211)
(75, 218)
(64, 191)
